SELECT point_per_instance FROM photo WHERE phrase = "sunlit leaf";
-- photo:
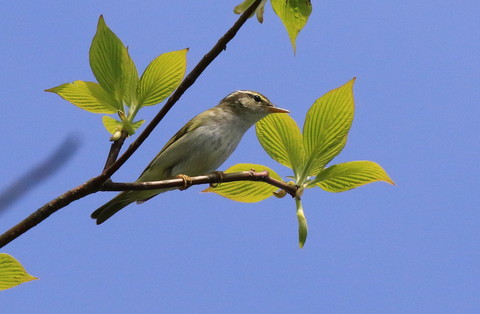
(246, 191)
(239, 9)
(326, 127)
(106, 55)
(137, 124)
(112, 125)
(346, 176)
(282, 140)
(294, 15)
(89, 96)
(111, 64)
(129, 79)
(12, 272)
(162, 77)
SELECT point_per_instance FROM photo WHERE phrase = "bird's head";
(250, 105)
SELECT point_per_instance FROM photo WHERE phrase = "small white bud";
(116, 136)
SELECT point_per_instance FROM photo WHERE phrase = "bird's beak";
(277, 110)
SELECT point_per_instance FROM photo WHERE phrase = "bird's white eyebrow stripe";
(249, 93)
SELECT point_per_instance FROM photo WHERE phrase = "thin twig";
(115, 150)
(94, 185)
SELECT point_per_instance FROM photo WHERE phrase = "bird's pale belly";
(205, 156)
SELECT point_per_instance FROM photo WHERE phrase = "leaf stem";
(302, 223)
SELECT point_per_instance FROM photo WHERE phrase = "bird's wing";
(188, 127)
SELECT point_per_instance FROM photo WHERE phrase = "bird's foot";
(187, 181)
(219, 177)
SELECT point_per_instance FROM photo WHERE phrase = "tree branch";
(95, 184)
(213, 178)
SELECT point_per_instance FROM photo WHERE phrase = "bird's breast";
(207, 149)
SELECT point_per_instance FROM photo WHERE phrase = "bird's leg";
(187, 181)
(219, 175)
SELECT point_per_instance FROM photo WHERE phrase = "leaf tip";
(390, 181)
(386, 177)
(352, 81)
(101, 21)
(31, 278)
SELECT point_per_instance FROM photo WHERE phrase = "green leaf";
(239, 9)
(112, 125)
(246, 191)
(294, 15)
(129, 79)
(280, 136)
(12, 272)
(88, 96)
(349, 175)
(112, 66)
(136, 125)
(326, 127)
(162, 77)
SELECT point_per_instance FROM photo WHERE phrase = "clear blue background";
(412, 248)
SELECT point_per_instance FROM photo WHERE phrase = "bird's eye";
(257, 98)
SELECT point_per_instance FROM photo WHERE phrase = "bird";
(199, 147)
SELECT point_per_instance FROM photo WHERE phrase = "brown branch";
(46, 210)
(115, 150)
(94, 184)
(213, 178)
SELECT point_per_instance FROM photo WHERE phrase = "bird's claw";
(187, 181)
(219, 175)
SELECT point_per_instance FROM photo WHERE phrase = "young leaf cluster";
(294, 14)
(307, 153)
(119, 89)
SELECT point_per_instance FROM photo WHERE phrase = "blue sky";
(412, 248)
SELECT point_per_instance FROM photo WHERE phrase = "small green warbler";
(200, 147)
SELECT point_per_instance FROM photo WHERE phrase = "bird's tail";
(109, 209)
